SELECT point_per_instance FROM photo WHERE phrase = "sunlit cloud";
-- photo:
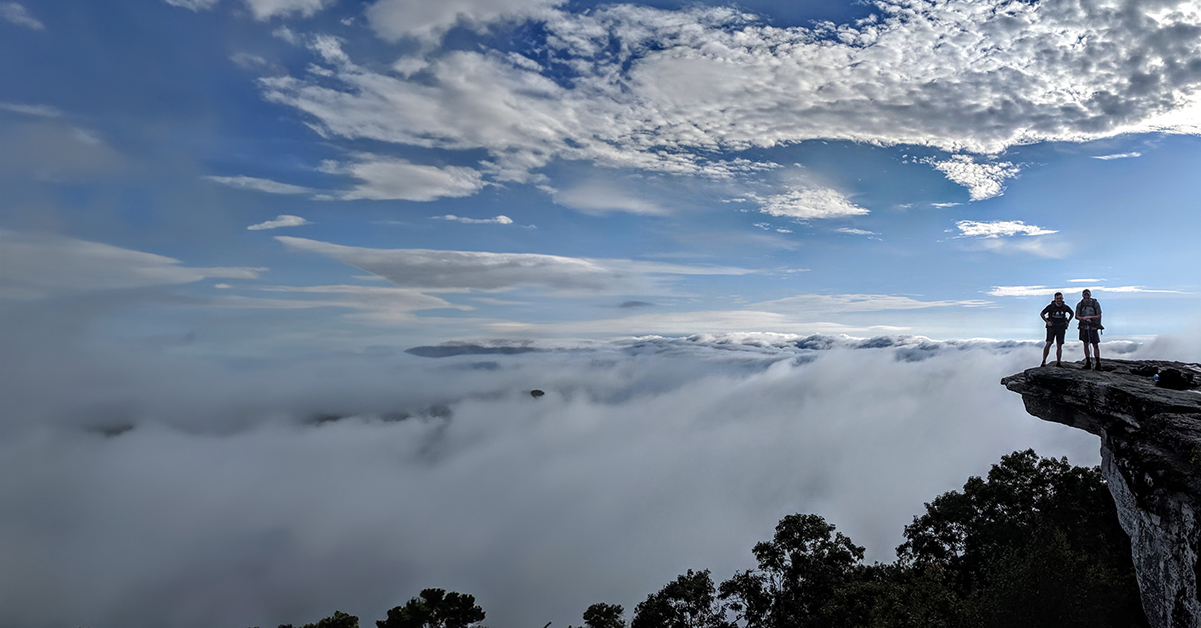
(283, 220)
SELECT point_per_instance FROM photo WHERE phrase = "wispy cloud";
(498, 220)
(42, 111)
(850, 231)
(435, 270)
(263, 9)
(1118, 156)
(283, 220)
(999, 229)
(46, 264)
(397, 179)
(1027, 291)
(19, 15)
(261, 185)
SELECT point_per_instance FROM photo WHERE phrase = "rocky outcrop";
(1151, 459)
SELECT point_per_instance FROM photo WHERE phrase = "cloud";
(849, 231)
(396, 19)
(1028, 291)
(809, 203)
(19, 15)
(667, 90)
(261, 185)
(1118, 156)
(999, 229)
(1086, 280)
(451, 270)
(842, 303)
(263, 9)
(372, 304)
(42, 111)
(983, 181)
(283, 220)
(498, 220)
(47, 264)
(597, 197)
(397, 179)
(234, 485)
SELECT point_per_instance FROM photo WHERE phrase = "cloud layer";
(650, 89)
(264, 496)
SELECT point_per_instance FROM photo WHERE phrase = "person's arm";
(1043, 315)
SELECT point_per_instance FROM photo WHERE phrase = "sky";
(276, 277)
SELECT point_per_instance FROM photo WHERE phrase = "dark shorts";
(1090, 335)
(1056, 334)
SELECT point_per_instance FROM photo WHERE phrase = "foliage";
(337, 620)
(800, 569)
(689, 601)
(603, 615)
(435, 608)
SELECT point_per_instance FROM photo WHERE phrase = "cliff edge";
(1151, 459)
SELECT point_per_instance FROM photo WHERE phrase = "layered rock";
(1151, 459)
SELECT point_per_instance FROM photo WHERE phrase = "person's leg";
(1058, 352)
(1088, 361)
(1097, 355)
(1046, 350)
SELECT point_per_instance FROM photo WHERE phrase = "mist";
(171, 491)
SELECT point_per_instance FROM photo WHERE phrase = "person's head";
(1088, 294)
(1058, 297)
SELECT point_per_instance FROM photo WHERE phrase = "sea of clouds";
(168, 491)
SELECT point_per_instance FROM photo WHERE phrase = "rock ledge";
(1151, 459)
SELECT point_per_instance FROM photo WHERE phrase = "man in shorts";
(1056, 316)
(1088, 313)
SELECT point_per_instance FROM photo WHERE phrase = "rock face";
(1151, 459)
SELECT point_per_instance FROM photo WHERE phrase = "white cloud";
(843, 303)
(602, 197)
(372, 304)
(1086, 280)
(1118, 156)
(44, 265)
(397, 179)
(19, 15)
(999, 229)
(394, 19)
(662, 90)
(261, 185)
(263, 9)
(283, 220)
(42, 111)
(809, 203)
(983, 181)
(592, 492)
(850, 231)
(498, 220)
(452, 270)
(1028, 291)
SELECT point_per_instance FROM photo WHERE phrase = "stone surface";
(1151, 459)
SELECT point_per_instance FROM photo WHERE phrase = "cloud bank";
(188, 494)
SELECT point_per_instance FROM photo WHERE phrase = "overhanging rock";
(1151, 459)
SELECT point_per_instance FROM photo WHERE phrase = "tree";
(337, 620)
(689, 601)
(1038, 539)
(800, 570)
(603, 615)
(435, 608)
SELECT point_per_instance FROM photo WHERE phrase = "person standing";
(1088, 313)
(1057, 315)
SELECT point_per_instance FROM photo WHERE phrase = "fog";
(151, 490)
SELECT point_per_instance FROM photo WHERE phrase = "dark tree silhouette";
(435, 608)
(689, 601)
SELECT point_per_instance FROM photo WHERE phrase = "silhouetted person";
(1057, 315)
(1088, 313)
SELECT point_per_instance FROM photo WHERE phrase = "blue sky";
(925, 168)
